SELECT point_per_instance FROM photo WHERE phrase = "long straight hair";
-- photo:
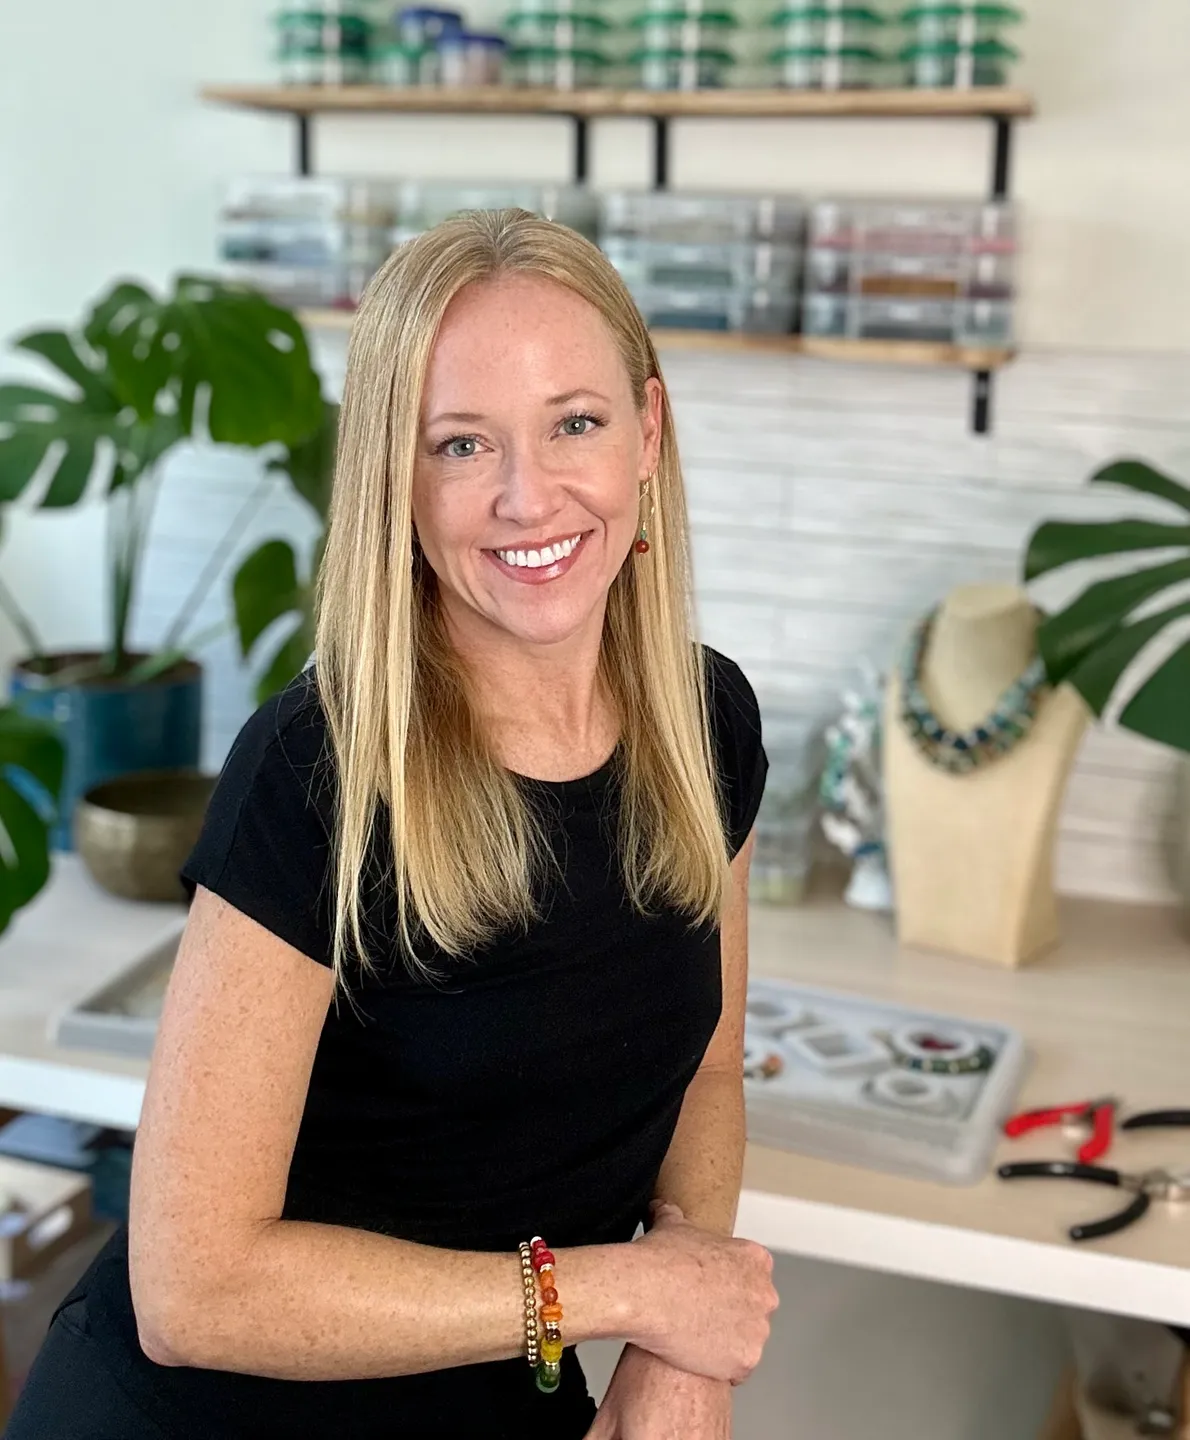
(463, 846)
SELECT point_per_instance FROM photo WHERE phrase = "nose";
(530, 493)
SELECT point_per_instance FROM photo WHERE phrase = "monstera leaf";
(30, 750)
(135, 374)
(268, 589)
(1093, 641)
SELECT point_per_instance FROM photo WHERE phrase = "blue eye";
(461, 447)
(581, 424)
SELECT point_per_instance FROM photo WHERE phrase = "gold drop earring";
(642, 544)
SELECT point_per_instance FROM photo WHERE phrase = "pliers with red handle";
(1096, 1115)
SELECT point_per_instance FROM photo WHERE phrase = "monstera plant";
(272, 591)
(1114, 621)
(139, 377)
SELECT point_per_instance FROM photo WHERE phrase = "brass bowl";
(135, 833)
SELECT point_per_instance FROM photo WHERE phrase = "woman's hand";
(711, 1298)
(648, 1399)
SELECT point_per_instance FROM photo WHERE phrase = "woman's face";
(530, 460)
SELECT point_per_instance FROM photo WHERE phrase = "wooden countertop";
(1108, 1013)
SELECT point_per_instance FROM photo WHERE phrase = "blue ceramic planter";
(110, 728)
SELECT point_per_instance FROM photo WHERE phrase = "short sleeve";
(265, 842)
(739, 753)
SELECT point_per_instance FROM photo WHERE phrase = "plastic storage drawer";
(701, 219)
(986, 322)
(751, 311)
(906, 320)
(296, 286)
(826, 314)
(660, 263)
(922, 277)
(424, 204)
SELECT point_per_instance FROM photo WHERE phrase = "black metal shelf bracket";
(303, 145)
(660, 152)
(982, 382)
(581, 150)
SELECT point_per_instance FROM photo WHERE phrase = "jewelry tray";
(842, 1095)
(121, 1016)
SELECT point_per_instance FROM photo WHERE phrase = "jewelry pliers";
(1167, 1185)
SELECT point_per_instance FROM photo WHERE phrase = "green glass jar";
(402, 65)
(661, 30)
(968, 24)
(814, 67)
(674, 69)
(847, 27)
(558, 69)
(948, 65)
(555, 30)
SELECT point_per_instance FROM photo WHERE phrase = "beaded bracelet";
(529, 1286)
(549, 1367)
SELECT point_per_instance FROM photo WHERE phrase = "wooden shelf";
(817, 347)
(506, 100)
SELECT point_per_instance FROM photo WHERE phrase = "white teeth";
(534, 559)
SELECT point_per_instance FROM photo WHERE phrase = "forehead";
(522, 334)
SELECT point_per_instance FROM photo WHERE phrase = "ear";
(650, 426)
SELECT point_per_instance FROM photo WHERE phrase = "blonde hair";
(465, 846)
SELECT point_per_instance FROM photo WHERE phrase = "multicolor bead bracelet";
(545, 1355)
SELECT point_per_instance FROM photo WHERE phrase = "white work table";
(1108, 1013)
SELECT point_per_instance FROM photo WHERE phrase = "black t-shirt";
(533, 1089)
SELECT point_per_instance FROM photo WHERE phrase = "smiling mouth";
(543, 557)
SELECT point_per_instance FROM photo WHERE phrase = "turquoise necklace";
(955, 751)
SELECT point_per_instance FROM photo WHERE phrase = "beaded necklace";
(959, 752)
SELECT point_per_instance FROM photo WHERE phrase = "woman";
(466, 958)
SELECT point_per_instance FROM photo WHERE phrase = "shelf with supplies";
(981, 102)
(817, 347)
(999, 105)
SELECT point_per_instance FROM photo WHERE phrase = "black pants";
(73, 1394)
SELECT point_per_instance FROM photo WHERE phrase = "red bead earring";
(642, 544)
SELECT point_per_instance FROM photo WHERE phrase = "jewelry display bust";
(972, 843)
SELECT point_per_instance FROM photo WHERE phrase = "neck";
(543, 706)
(982, 639)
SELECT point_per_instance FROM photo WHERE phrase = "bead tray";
(840, 1094)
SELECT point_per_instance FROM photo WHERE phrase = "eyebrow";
(469, 417)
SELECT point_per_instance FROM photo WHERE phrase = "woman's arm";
(703, 1167)
(219, 1280)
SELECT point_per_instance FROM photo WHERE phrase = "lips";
(540, 574)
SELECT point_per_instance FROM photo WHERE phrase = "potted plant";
(31, 760)
(272, 594)
(143, 375)
(1126, 620)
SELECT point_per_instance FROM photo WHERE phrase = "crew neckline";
(597, 779)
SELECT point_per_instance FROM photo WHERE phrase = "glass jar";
(558, 31)
(556, 69)
(834, 29)
(422, 27)
(471, 59)
(401, 65)
(318, 48)
(681, 31)
(670, 69)
(813, 67)
(949, 65)
(787, 822)
(967, 24)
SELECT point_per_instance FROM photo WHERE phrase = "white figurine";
(851, 793)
